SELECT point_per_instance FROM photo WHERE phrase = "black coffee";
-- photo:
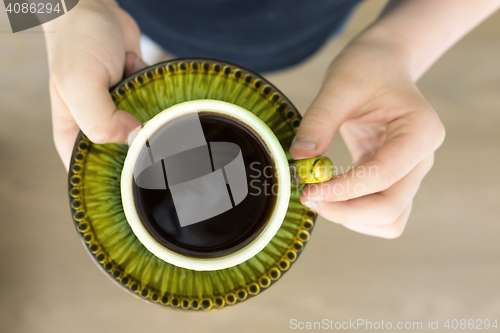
(231, 230)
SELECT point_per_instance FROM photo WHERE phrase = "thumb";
(93, 108)
(319, 125)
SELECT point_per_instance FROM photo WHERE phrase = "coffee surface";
(233, 229)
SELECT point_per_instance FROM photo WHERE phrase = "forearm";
(91, 22)
(83, 6)
(422, 30)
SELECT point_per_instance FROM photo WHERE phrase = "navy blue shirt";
(261, 35)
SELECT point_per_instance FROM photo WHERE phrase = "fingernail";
(319, 198)
(303, 143)
(132, 135)
(311, 204)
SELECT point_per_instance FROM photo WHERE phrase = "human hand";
(389, 128)
(90, 49)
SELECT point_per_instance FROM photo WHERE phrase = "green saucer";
(96, 205)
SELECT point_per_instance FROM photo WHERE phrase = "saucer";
(96, 205)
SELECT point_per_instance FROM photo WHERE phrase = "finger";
(133, 64)
(65, 130)
(320, 123)
(409, 140)
(391, 231)
(131, 32)
(85, 92)
(132, 40)
(380, 208)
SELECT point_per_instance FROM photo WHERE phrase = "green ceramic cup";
(94, 189)
(312, 170)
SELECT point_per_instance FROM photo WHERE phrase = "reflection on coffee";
(234, 156)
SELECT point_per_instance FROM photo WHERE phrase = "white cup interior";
(277, 216)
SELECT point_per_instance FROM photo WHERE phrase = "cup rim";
(282, 200)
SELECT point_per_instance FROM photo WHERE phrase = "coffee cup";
(206, 184)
